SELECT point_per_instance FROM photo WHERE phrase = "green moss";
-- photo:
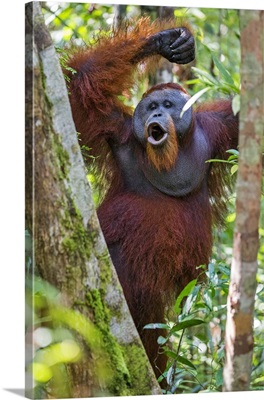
(76, 240)
(120, 384)
(105, 271)
(101, 313)
(62, 156)
(129, 361)
(135, 359)
(69, 245)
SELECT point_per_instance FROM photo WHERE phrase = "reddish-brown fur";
(160, 240)
(163, 241)
(165, 158)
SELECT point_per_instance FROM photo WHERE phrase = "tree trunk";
(164, 72)
(69, 250)
(240, 313)
(167, 70)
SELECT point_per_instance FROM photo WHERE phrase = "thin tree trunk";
(240, 313)
(69, 250)
(167, 70)
(164, 72)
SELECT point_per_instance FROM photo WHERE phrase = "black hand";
(176, 45)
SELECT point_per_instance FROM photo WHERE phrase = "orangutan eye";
(167, 104)
(152, 106)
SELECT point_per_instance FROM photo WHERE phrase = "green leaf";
(182, 360)
(184, 293)
(211, 271)
(226, 88)
(258, 380)
(186, 324)
(206, 75)
(185, 361)
(235, 152)
(192, 81)
(225, 270)
(78, 323)
(191, 300)
(171, 354)
(219, 377)
(41, 372)
(234, 169)
(162, 340)
(225, 74)
(218, 160)
(232, 158)
(208, 299)
(236, 104)
(46, 290)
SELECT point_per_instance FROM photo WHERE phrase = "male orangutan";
(161, 196)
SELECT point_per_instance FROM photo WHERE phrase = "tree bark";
(240, 313)
(69, 250)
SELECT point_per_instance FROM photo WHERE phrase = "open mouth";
(156, 134)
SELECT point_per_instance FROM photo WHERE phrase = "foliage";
(216, 32)
(224, 84)
(196, 353)
(60, 337)
(232, 160)
(195, 342)
(57, 336)
(80, 22)
(204, 345)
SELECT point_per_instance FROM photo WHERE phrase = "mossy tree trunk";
(69, 250)
(240, 314)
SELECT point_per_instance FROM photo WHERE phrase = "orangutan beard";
(163, 157)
